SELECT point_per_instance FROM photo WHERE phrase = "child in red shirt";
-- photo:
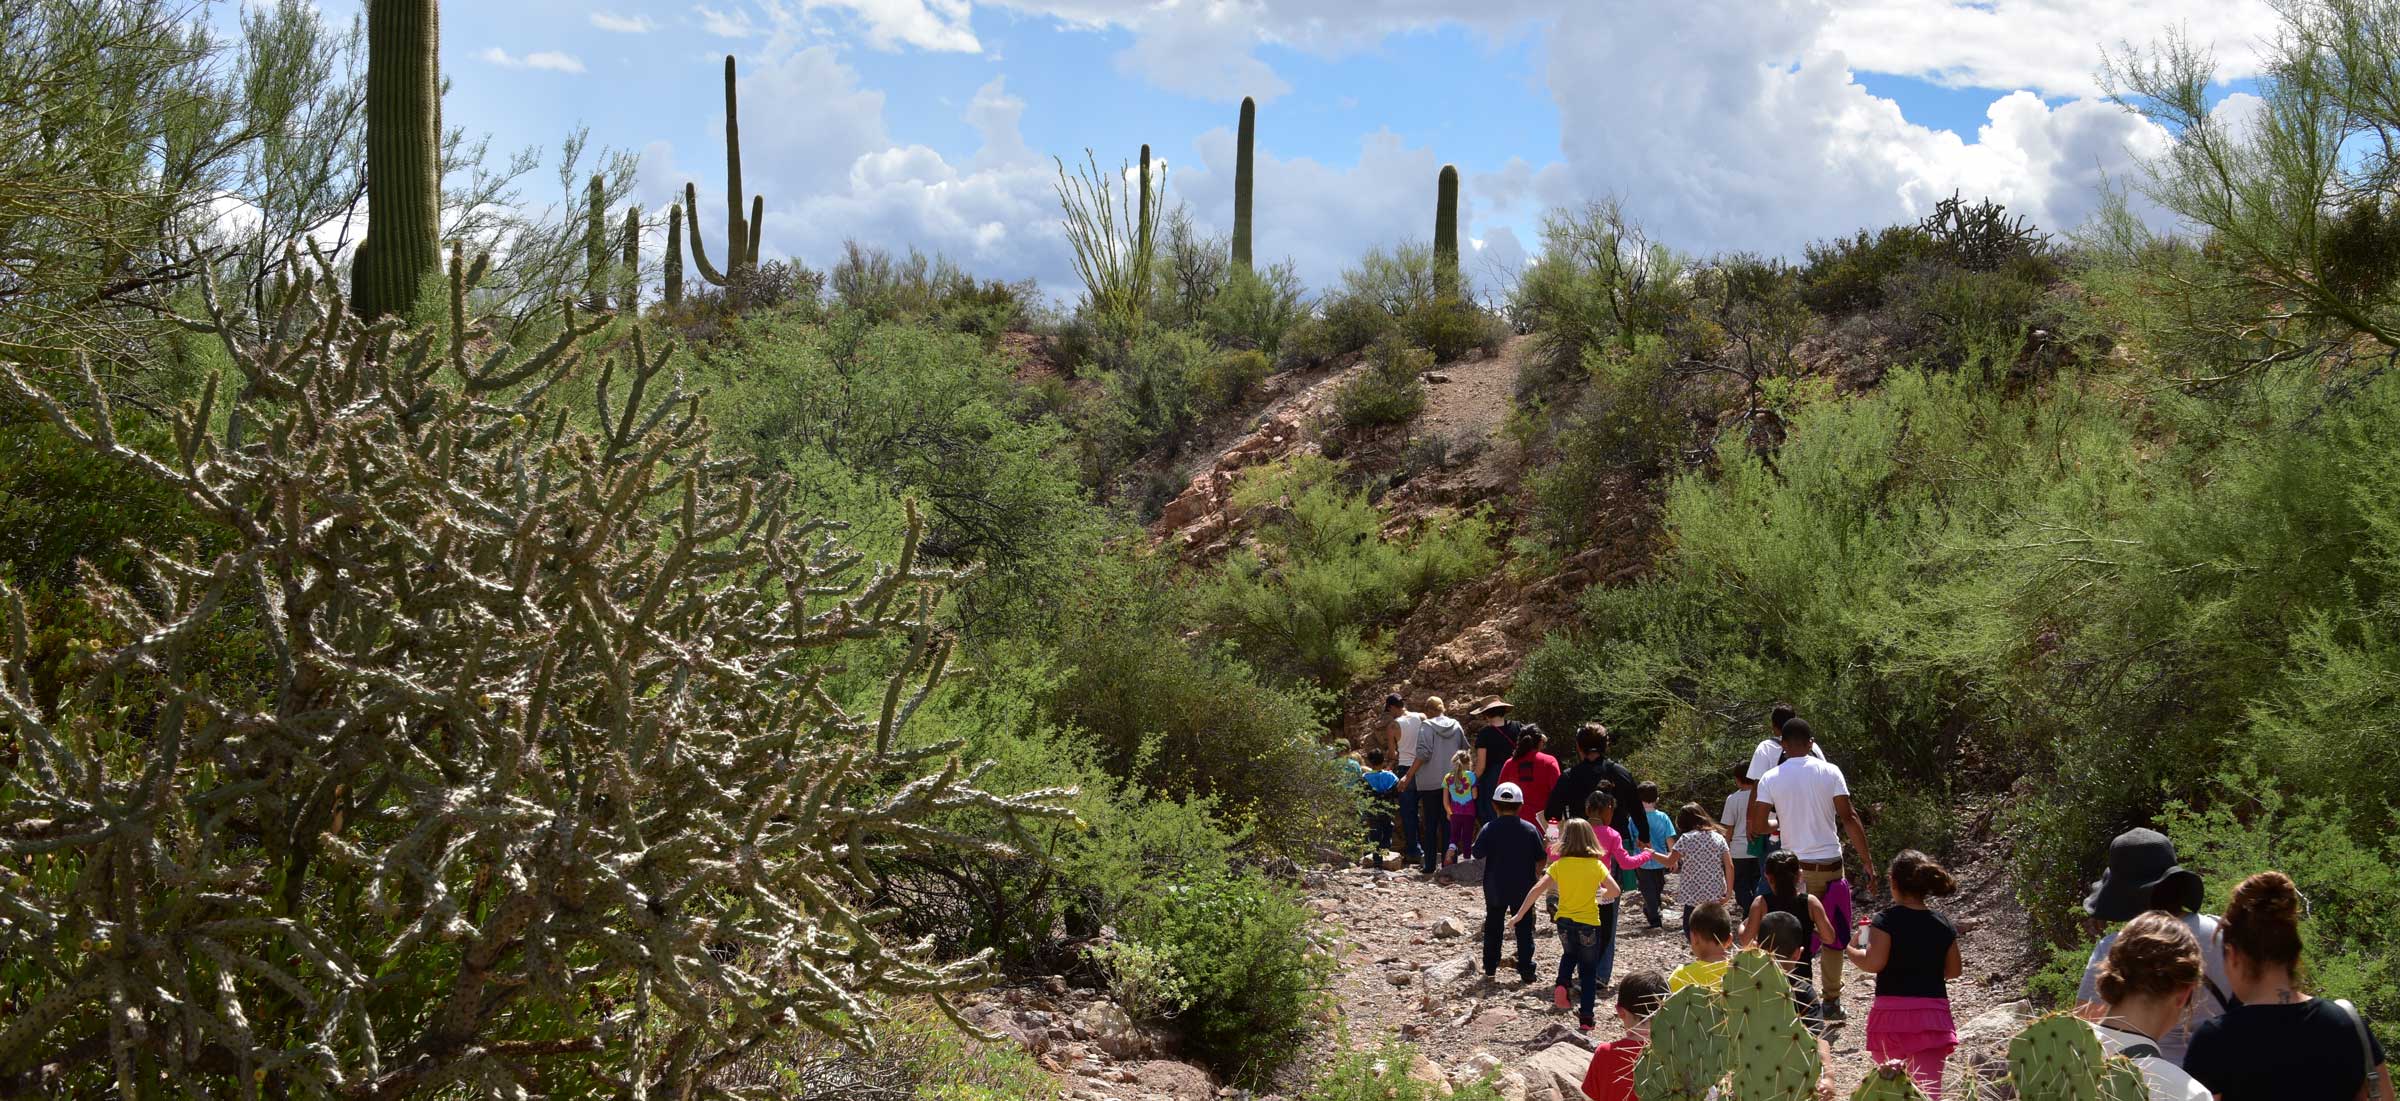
(1611, 1075)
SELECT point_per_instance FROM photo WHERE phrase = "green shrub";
(1228, 378)
(1390, 389)
(919, 1054)
(1254, 980)
(1254, 310)
(1451, 327)
(1383, 1076)
(1151, 402)
(1141, 980)
(1847, 274)
(1308, 344)
(1628, 418)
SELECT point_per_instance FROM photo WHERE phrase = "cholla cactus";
(1773, 1057)
(1889, 1082)
(536, 784)
(1687, 1053)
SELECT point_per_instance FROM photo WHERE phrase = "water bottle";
(1551, 836)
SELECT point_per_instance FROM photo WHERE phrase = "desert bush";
(921, 1056)
(1601, 283)
(1389, 389)
(1254, 981)
(1628, 417)
(1141, 980)
(1847, 274)
(1228, 378)
(1254, 310)
(869, 281)
(1451, 327)
(1192, 269)
(497, 767)
(1150, 403)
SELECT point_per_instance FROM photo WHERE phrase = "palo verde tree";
(540, 775)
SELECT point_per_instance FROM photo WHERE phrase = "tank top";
(1797, 906)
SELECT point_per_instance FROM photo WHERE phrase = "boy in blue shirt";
(1384, 789)
(1653, 875)
(1512, 852)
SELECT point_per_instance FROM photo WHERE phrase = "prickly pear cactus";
(2056, 1058)
(1773, 1056)
(2121, 1080)
(1687, 1052)
(1889, 1082)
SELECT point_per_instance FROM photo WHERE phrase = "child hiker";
(1610, 1077)
(1652, 875)
(1599, 809)
(1913, 953)
(1583, 885)
(1785, 893)
(1702, 863)
(1458, 790)
(1383, 795)
(1511, 850)
(1710, 932)
(1747, 850)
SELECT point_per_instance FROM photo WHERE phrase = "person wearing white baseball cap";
(1512, 851)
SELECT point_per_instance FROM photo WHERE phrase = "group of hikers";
(2208, 1006)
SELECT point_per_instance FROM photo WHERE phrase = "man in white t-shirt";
(1770, 749)
(1399, 732)
(1810, 799)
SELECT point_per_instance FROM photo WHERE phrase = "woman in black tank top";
(1785, 893)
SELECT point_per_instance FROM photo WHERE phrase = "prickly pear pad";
(1773, 1057)
(1687, 1052)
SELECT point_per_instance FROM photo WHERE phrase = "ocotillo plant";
(741, 235)
(1246, 143)
(1687, 1055)
(595, 246)
(404, 174)
(1773, 1056)
(672, 273)
(1445, 234)
(468, 747)
(1107, 232)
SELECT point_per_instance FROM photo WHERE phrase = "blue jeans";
(1745, 885)
(1581, 949)
(1654, 888)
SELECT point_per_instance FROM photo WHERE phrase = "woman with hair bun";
(2280, 1044)
(2146, 984)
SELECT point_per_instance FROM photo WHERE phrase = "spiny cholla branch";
(487, 757)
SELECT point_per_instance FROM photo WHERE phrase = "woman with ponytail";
(2280, 1044)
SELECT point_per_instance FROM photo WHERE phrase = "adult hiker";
(1398, 730)
(2280, 1044)
(1810, 798)
(2141, 876)
(2147, 980)
(1534, 772)
(1770, 748)
(1597, 772)
(1438, 738)
(1495, 742)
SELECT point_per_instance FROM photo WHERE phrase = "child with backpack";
(1458, 790)
(1610, 1076)
(1701, 862)
(1748, 851)
(1913, 953)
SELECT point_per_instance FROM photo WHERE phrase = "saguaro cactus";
(1144, 223)
(672, 275)
(1687, 1054)
(741, 236)
(595, 245)
(404, 175)
(1247, 142)
(1773, 1057)
(1445, 233)
(629, 266)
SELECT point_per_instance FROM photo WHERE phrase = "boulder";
(1473, 1068)
(1448, 928)
(1423, 1070)
(1113, 1032)
(1468, 873)
(1993, 1027)
(1560, 1066)
(1162, 1078)
(1448, 971)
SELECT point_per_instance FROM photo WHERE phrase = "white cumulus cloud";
(551, 60)
(623, 24)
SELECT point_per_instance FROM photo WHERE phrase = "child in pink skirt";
(1913, 954)
(1458, 789)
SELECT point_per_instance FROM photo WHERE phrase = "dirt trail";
(1468, 402)
(1411, 967)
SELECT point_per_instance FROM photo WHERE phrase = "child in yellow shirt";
(1711, 934)
(1584, 886)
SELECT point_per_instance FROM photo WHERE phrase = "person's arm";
(1824, 923)
(1483, 843)
(1858, 834)
(1878, 951)
(1483, 760)
(1758, 910)
(1727, 857)
(1609, 889)
(2378, 1086)
(1675, 859)
(1759, 810)
(1540, 887)
(1956, 965)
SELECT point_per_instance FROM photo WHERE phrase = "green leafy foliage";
(1255, 981)
(1325, 576)
(1255, 310)
(1389, 389)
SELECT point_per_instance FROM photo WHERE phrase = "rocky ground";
(1411, 969)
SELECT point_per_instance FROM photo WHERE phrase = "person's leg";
(1606, 958)
(1586, 945)
(1654, 887)
(1483, 810)
(1408, 823)
(1829, 960)
(1745, 883)
(1495, 914)
(1436, 827)
(1525, 969)
(1686, 922)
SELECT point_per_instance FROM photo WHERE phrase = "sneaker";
(1583, 1024)
(1558, 997)
(1833, 1011)
(1525, 978)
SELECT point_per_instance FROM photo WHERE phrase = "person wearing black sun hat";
(2142, 875)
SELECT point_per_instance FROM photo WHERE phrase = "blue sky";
(1748, 124)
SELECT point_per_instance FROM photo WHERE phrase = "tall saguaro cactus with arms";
(404, 157)
(741, 235)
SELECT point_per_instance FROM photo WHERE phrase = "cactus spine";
(1687, 1054)
(1773, 1057)
(1889, 1082)
(741, 236)
(673, 273)
(595, 245)
(2057, 1058)
(1445, 234)
(404, 175)
(1247, 142)
(629, 270)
